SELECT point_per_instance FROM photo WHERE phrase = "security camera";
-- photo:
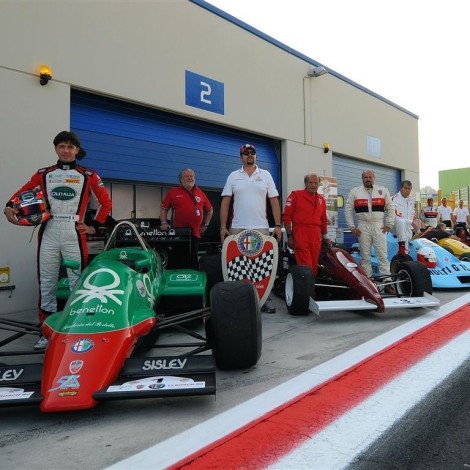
(317, 71)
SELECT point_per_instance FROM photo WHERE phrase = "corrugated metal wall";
(453, 180)
(128, 142)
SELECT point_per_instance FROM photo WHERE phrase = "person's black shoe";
(268, 307)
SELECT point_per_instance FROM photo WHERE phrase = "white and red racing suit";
(428, 216)
(405, 213)
(370, 207)
(67, 188)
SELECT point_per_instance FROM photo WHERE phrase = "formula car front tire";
(300, 286)
(416, 277)
(397, 260)
(234, 327)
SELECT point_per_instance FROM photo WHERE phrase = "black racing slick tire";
(212, 266)
(413, 279)
(465, 256)
(397, 260)
(300, 286)
(234, 327)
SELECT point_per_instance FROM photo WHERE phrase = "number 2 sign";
(204, 93)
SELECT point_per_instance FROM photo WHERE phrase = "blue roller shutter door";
(127, 142)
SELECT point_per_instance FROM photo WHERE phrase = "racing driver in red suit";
(306, 222)
(67, 187)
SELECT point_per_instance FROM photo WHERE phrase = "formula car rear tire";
(417, 277)
(397, 260)
(300, 286)
(234, 327)
(465, 256)
(212, 266)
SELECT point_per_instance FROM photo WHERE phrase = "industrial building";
(157, 86)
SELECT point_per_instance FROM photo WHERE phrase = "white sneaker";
(41, 344)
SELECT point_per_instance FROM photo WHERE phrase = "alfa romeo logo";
(250, 242)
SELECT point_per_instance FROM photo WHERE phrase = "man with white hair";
(191, 208)
(306, 222)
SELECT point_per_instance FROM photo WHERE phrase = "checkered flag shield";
(257, 269)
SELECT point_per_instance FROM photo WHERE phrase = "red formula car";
(342, 284)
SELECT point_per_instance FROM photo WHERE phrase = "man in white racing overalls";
(371, 204)
(405, 220)
(67, 187)
(429, 214)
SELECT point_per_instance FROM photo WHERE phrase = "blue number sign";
(204, 93)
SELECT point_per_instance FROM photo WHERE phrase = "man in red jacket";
(306, 222)
(191, 208)
(67, 187)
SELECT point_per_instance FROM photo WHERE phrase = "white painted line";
(337, 446)
(176, 448)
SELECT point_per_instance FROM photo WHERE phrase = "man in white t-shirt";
(460, 215)
(249, 187)
(461, 218)
(445, 213)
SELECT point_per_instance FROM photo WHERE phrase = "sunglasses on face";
(250, 152)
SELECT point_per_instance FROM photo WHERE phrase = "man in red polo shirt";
(191, 208)
(306, 222)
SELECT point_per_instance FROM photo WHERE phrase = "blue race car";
(447, 271)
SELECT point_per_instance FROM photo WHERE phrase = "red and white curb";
(312, 420)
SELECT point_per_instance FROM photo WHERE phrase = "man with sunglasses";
(249, 187)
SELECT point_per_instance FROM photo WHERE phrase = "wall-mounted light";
(326, 148)
(317, 71)
(45, 74)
